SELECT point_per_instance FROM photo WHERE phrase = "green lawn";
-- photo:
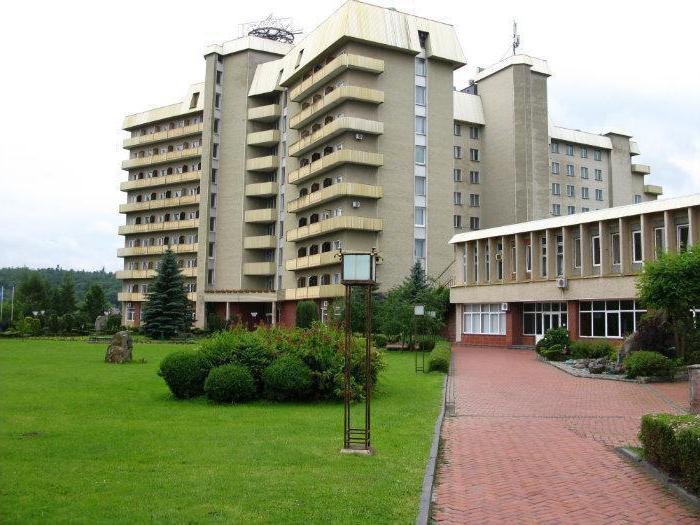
(82, 441)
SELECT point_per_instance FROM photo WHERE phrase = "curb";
(426, 494)
(667, 481)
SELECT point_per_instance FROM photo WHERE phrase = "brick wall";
(288, 314)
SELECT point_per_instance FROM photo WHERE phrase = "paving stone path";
(532, 444)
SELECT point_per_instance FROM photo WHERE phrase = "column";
(551, 239)
(493, 275)
(625, 246)
(670, 241)
(605, 244)
(568, 240)
(470, 248)
(647, 237)
(463, 272)
(507, 257)
(480, 262)
(228, 311)
(519, 258)
(586, 260)
(535, 256)
(274, 312)
(458, 322)
(693, 225)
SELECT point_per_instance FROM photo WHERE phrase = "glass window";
(420, 67)
(420, 155)
(612, 319)
(420, 95)
(682, 236)
(457, 129)
(485, 319)
(637, 246)
(457, 175)
(420, 186)
(419, 216)
(420, 125)
(595, 247)
(615, 247)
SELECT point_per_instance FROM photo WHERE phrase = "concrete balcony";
(162, 136)
(333, 160)
(336, 191)
(260, 242)
(162, 158)
(331, 100)
(261, 189)
(348, 222)
(338, 126)
(268, 113)
(140, 297)
(641, 169)
(313, 261)
(188, 224)
(331, 70)
(259, 268)
(173, 202)
(652, 189)
(167, 180)
(267, 163)
(263, 215)
(149, 274)
(266, 138)
(314, 292)
(156, 250)
(634, 148)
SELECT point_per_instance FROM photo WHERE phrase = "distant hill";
(82, 279)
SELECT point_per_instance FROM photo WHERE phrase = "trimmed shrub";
(553, 353)
(591, 349)
(672, 443)
(29, 326)
(231, 383)
(439, 359)
(693, 358)
(287, 378)
(307, 313)
(184, 372)
(380, 340)
(555, 336)
(238, 346)
(426, 344)
(647, 364)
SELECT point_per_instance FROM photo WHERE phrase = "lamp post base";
(358, 451)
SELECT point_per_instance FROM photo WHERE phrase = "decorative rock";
(119, 350)
(598, 366)
(100, 323)
(581, 363)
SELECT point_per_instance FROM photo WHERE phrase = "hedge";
(672, 443)
(648, 364)
(591, 349)
(439, 358)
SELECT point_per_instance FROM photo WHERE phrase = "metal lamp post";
(358, 270)
(418, 311)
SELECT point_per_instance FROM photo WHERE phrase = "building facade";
(517, 281)
(352, 139)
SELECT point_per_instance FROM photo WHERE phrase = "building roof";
(576, 136)
(468, 108)
(536, 64)
(581, 218)
(376, 25)
(167, 112)
(265, 78)
(245, 43)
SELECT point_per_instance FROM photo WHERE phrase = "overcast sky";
(73, 70)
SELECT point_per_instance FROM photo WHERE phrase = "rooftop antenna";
(516, 37)
(271, 28)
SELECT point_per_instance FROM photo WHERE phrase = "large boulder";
(119, 350)
(598, 366)
(100, 323)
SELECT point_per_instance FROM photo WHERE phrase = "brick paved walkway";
(532, 444)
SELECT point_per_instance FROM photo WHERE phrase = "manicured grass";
(82, 441)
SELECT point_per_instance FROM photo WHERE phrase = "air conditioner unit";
(504, 307)
(359, 136)
(355, 204)
(562, 282)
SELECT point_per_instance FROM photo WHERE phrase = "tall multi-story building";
(354, 138)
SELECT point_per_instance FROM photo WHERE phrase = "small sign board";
(419, 309)
(358, 268)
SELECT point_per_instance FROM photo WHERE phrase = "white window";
(474, 200)
(554, 147)
(420, 125)
(569, 170)
(571, 210)
(597, 154)
(420, 67)
(474, 223)
(420, 95)
(577, 252)
(584, 172)
(420, 186)
(570, 150)
(474, 133)
(659, 244)
(487, 319)
(615, 319)
(474, 155)
(598, 174)
(584, 209)
(615, 248)
(419, 216)
(637, 199)
(595, 248)
(457, 221)
(556, 188)
(599, 195)
(570, 190)
(457, 175)
(682, 237)
(420, 155)
(474, 177)
(584, 193)
(457, 129)
(457, 198)
(584, 152)
(637, 256)
(419, 248)
(555, 168)
(528, 258)
(457, 152)
(556, 209)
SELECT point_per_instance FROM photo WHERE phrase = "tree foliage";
(307, 313)
(95, 303)
(167, 310)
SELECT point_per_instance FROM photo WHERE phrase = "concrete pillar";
(274, 312)
(647, 237)
(605, 255)
(694, 384)
(551, 240)
(625, 246)
(458, 322)
(519, 258)
(480, 262)
(694, 225)
(670, 241)
(586, 259)
(470, 247)
(228, 311)
(568, 240)
(493, 249)
(535, 256)
(463, 263)
(507, 258)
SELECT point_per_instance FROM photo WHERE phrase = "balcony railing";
(187, 224)
(336, 191)
(161, 158)
(267, 163)
(267, 113)
(156, 250)
(260, 242)
(149, 274)
(333, 160)
(261, 189)
(140, 297)
(269, 137)
(314, 292)
(338, 126)
(187, 200)
(152, 182)
(331, 100)
(313, 261)
(162, 136)
(348, 222)
(262, 215)
(259, 268)
(333, 69)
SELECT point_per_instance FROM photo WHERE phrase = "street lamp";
(418, 311)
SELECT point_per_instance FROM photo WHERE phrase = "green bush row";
(648, 364)
(591, 349)
(439, 359)
(283, 364)
(672, 443)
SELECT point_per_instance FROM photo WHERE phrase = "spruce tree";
(66, 296)
(95, 303)
(167, 310)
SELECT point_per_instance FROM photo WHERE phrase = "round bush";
(184, 373)
(426, 345)
(287, 378)
(647, 364)
(231, 383)
(553, 353)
